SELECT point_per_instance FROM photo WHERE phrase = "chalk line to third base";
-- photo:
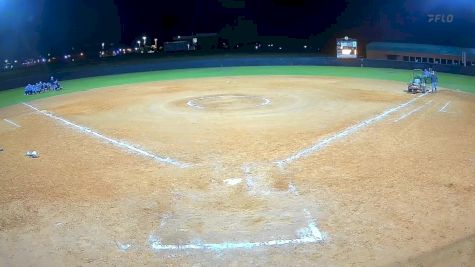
(129, 147)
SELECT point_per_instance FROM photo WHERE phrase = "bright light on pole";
(103, 44)
(156, 40)
(138, 42)
(144, 40)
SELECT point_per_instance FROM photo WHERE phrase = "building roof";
(420, 48)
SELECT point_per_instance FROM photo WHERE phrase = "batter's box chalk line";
(309, 234)
(117, 143)
(341, 135)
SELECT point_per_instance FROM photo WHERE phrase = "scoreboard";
(346, 48)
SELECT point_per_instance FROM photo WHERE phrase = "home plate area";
(258, 220)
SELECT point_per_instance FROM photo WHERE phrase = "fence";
(22, 77)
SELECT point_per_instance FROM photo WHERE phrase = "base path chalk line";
(309, 234)
(342, 134)
(412, 111)
(444, 107)
(117, 143)
(12, 123)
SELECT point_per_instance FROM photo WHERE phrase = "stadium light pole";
(144, 40)
(138, 42)
(156, 46)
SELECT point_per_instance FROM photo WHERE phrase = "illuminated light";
(16, 61)
(280, 47)
(66, 57)
(305, 46)
(6, 60)
(179, 36)
(346, 51)
(82, 54)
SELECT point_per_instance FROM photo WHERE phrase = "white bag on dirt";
(32, 154)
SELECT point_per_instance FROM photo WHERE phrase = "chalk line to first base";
(342, 134)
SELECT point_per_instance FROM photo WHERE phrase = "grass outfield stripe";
(452, 81)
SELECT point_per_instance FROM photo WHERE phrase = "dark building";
(425, 53)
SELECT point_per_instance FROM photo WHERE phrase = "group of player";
(41, 87)
(432, 75)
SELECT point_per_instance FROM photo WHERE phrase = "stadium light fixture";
(103, 45)
(138, 42)
(144, 40)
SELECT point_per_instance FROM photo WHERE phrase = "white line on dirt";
(246, 168)
(293, 189)
(316, 233)
(232, 181)
(412, 111)
(117, 143)
(12, 123)
(313, 235)
(340, 135)
(445, 106)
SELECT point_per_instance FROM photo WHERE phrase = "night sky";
(32, 27)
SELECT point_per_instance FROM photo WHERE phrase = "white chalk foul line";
(311, 234)
(117, 143)
(12, 123)
(412, 111)
(342, 134)
(444, 107)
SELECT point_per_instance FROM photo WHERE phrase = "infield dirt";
(399, 190)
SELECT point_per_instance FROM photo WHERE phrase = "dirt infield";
(233, 171)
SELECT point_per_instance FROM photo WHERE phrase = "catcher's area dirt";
(398, 191)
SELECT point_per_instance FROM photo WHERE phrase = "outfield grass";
(452, 81)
